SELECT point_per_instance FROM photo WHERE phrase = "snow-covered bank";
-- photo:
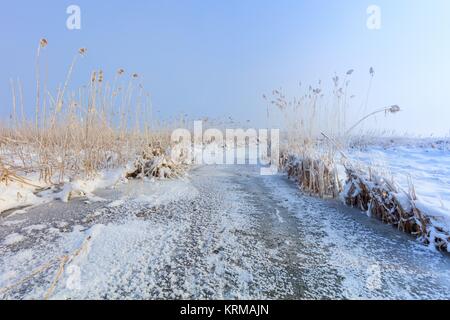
(424, 164)
(74, 234)
(225, 233)
(30, 189)
(405, 185)
(420, 166)
(33, 191)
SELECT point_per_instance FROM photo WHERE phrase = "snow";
(426, 164)
(7, 276)
(13, 222)
(155, 192)
(230, 233)
(371, 260)
(13, 239)
(224, 233)
(184, 240)
(65, 194)
(104, 179)
(277, 213)
(18, 195)
(35, 227)
(116, 203)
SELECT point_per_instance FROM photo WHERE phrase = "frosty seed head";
(394, 109)
(43, 43)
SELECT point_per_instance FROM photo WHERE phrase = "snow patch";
(13, 238)
(36, 227)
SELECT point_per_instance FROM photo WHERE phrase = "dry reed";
(312, 161)
(78, 132)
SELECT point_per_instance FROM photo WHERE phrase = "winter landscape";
(328, 189)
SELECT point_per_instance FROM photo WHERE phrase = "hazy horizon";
(217, 59)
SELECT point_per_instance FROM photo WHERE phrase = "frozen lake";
(225, 232)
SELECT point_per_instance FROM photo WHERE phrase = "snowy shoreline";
(415, 171)
(216, 235)
(404, 176)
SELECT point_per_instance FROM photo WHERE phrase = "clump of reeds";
(383, 200)
(316, 131)
(8, 175)
(75, 133)
(156, 163)
(308, 159)
(314, 175)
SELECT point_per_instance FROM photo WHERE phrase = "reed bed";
(156, 163)
(318, 130)
(383, 200)
(316, 175)
(306, 155)
(79, 132)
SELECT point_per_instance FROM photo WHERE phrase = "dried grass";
(75, 133)
(380, 199)
(155, 163)
(314, 175)
(317, 132)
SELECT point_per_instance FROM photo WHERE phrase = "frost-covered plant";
(79, 132)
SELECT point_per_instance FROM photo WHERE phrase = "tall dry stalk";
(310, 118)
(42, 44)
(85, 130)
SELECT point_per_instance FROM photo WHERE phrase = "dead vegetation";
(156, 163)
(8, 175)
(76, 133)
(313, 161)
(370, 193)
(62, 262)
(384, 201)
(313, 175)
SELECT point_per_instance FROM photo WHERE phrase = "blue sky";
(217, 58)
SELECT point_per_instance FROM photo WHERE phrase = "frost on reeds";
(318, 130)
(316, 175)
(76, 133)
(306, 156)
(387, 202)
(156, 163)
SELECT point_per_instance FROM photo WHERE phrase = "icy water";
(225, 232)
